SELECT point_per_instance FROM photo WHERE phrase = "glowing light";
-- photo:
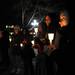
(7, 26)
(11, 33)
(21, 44)
(10, 39)
(51, 37)
(32, 42)
(36, 30)
(12, 26)
(34, 23)
(64, 19)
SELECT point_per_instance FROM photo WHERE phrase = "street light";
(35, 24)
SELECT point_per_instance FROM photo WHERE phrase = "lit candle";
(32, 42)
(10, 39)
(51, 37)
(36, 30)
(21, 44)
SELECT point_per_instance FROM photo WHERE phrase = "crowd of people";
(20, 52)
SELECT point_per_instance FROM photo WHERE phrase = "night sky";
(6, 11)
(9, 16)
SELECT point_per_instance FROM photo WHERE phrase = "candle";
(51, 37)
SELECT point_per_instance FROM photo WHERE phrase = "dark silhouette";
(4, 45)
(28, 54)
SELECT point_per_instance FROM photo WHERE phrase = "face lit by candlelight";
(63, 19)
(47, 20)
(16, 29)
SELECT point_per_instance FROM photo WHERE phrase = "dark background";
(9, 9)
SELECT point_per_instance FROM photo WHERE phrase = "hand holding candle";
(32, 42)
(51, 37)
(36, 30)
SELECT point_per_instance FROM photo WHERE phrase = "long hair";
(53, 24)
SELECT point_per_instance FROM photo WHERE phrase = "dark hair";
(54, 18)
(47, 41)
(1, 28)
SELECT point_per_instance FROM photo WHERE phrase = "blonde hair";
(17, 27)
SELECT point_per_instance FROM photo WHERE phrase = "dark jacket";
(4, 45)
